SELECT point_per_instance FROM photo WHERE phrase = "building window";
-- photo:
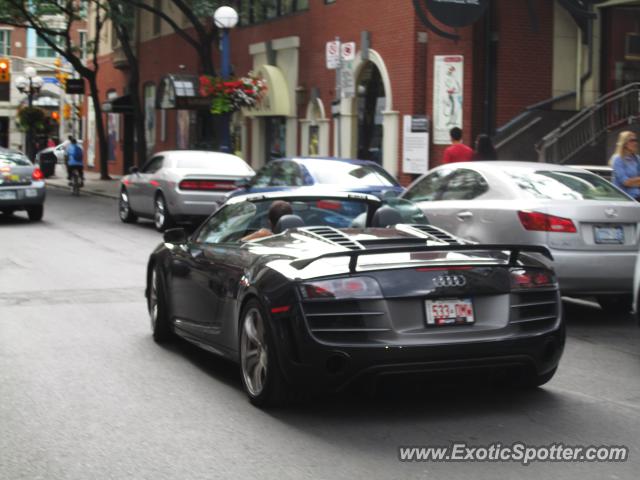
(43, 50)
(255, 11)
(5, 42)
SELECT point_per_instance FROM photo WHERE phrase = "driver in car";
(277, 209)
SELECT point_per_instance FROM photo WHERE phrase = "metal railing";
(619, 107)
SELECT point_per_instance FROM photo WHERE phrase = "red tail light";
(37, 174)
(545, 223)
(207, 185)
(531, 278)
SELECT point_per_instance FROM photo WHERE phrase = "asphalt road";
(85, 393)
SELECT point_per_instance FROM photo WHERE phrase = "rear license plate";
(450, 311)
(611, 234)
(8, 195)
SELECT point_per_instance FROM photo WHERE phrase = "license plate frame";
(608, 234)
(8, 195)
(449, 311)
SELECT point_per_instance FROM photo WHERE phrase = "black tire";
(271, 390)
(615, 303)
(75, 184)
(162, 219)
(158, 308)
(125, 212)
(35, 213)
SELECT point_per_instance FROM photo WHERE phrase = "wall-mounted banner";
(415, 144)
(456, 13)
(448, 75)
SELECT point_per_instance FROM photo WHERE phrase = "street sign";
(74, 85)
(348, 51)
(333, 55)
(347, 83)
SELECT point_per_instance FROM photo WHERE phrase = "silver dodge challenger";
(180, 185)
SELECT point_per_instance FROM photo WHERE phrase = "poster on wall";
(150, 115)
(113, 129)
(91, 134)
(447, 96)
(415, 144)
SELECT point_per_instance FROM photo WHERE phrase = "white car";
(589, 225)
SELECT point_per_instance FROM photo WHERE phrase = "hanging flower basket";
(31, 116)
(228, 96)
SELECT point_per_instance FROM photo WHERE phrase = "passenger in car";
(277, 209)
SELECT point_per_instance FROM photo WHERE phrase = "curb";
(84, 190)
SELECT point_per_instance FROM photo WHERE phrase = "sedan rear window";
(334, 172)
(219, 162)
(14, 159)
(563, 185)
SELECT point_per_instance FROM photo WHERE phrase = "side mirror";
(134, 170)
(177, 236)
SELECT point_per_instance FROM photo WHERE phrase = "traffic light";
(5, 70)
(66, 111)
(55, 116)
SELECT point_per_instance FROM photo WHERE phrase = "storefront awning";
(277, 101)
(121, 104)
(180, 91)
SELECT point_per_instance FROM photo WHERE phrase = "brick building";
(513, 56)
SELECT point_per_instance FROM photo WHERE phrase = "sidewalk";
(92, 183)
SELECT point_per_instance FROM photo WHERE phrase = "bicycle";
(76, 183)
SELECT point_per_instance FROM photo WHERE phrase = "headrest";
(386, 216)
(288, 221)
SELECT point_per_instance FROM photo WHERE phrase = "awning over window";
(121, 104)
(180, 91)
(277, 101)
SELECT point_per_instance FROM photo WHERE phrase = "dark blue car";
(339, 174)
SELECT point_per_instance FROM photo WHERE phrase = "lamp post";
(31, 85)
(225, 18)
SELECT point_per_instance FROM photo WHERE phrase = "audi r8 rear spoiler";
(515, 251)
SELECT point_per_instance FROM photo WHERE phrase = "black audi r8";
(349, 286)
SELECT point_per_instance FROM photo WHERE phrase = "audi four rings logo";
(450, 281)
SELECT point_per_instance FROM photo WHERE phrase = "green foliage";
(31, 116)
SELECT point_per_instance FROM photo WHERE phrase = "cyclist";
(75, 160)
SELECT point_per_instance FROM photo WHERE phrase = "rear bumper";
(25, 196)
(197, 204)
(318, 366)
(592, 273)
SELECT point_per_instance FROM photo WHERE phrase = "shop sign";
(448, 95)
(415, 144)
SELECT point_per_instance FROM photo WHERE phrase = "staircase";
(587, 137)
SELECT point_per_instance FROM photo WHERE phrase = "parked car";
(22, 185)
(315, 306)
(337, 174)
(590, 226)
(604, 171)
(180, 185)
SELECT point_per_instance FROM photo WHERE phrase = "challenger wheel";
(125, 212)
(158, 311)
(261, 375)
(161, 216)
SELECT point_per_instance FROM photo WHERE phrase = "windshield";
(565, 185)
(14, 159)
(235, 221)
(344, 173)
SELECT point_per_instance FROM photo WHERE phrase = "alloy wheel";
(253, 352)
(124, 205)
(153, 300)
(160, 213)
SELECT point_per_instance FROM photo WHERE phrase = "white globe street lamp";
(31, 85)
(225, 18)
